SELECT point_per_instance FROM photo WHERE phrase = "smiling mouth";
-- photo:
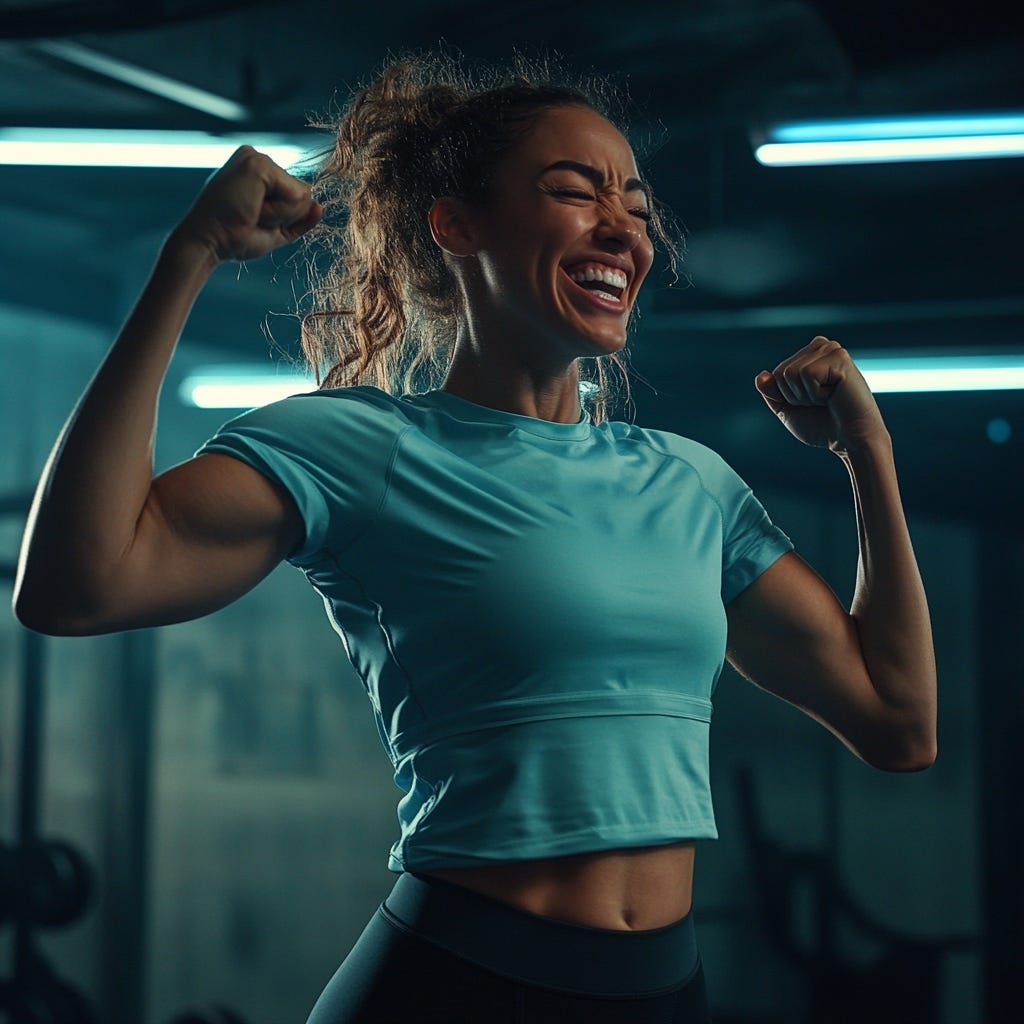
(601, 295)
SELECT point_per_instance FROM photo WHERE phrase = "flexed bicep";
(210, 530)
(790, 635)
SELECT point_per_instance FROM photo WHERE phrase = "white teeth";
(612, 277)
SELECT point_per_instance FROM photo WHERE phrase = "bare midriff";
(633, 889)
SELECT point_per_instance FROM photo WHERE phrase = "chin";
(608, 344)
(589, 340)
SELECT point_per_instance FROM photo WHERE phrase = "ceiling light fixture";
(240, 387)
(893, 373)
(101, 147)
(892, 139)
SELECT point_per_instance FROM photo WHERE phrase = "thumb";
(769, 391)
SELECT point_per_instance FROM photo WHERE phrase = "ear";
(452, 226)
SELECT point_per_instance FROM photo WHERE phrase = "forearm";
(889, 605)
(97, 478)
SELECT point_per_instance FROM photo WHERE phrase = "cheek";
(643, 257)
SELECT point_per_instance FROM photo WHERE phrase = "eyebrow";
(594, 175)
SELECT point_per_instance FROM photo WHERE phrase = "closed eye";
(639, 211)
(574, 193)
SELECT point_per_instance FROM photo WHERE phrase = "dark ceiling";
(920, 255)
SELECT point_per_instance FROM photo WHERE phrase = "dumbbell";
(49, 884)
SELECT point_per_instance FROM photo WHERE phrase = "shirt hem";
(703, 828)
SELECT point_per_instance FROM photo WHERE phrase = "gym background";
(195, 820)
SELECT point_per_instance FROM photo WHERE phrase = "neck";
(515, 388)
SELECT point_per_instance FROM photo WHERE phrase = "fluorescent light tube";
(97, 147)
(884, 140)
(918, 373)
(239, 387)
(243, 387)
(229, 387)
(897, 128)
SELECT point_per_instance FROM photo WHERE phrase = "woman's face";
(567, 205)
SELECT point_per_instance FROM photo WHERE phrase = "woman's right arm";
(106, 546)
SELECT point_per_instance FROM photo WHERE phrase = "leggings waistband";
(540, 950)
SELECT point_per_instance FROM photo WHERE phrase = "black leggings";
(437, 953)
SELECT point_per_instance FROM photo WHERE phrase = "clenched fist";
(822, 399)
(249, 207)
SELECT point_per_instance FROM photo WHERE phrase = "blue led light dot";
(998, 431)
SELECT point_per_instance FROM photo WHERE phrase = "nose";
(619, 229)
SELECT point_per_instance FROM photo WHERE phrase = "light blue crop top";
(534, 608)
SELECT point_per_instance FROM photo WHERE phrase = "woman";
(538, 600)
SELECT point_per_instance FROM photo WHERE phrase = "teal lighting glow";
(240, 387)
(890, 139)
(998, 430)
(101, 147)
(916, 373)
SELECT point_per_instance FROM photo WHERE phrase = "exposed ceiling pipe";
(145, 80)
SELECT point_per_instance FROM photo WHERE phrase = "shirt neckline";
(470, 412)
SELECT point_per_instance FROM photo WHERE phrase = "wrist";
(869, 451)
(189, 254)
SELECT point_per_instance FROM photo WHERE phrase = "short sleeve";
(751, 542)
(328, 450)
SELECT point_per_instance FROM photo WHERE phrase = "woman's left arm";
(867, 674)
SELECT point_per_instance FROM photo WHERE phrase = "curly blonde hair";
(383, 308)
